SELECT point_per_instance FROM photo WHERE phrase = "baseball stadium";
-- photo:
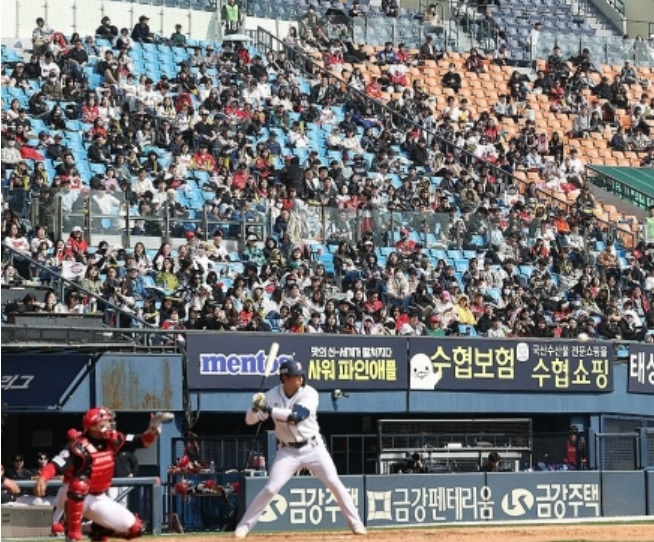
(201, 198)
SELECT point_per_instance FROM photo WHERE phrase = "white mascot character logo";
(423, 376)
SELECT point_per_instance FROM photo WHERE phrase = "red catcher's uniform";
(87, 464)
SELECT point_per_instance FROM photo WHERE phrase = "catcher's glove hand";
(259, 403)
(157, 419)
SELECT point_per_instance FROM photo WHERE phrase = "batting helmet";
(99, 419)
(291, 368)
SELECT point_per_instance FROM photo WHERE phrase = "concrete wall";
(639, 14)
(611, 13)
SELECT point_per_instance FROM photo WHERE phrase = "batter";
(293, 406)
(87, 466)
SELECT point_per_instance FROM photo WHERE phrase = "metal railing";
(412, 33)
(604, 50)
(58, 282)
(614, 231)
(63, 329)
(331, 225)
(124, 225)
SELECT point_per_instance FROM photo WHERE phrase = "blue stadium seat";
(461, 265)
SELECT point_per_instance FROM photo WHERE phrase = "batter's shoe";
(240, 533)
(360, 530)
(58, 529)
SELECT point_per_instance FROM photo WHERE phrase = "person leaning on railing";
(9, 488)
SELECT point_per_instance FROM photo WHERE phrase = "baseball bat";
(270, 361)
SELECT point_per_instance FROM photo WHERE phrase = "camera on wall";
(337, 394)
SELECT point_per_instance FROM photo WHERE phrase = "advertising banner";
(219, 361)
(509, 365)
(38, 380)
(641, 369)
(426, 499)
(304, 503)
(417, 499)
(544, 495)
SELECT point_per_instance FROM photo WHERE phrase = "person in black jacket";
(322, 92)
(257, 69)
(106, 30)
(492, 463)
(17, 470)
(33, 68)
(97, 152)
(292, 177)
(56, 150)
(37, 106)
(127, 466)
(19, 77)
(141, 31)
(9, 489)
(618, 141)
(420, 153)
(452, 79)
(628, 329)
(428, 50)
(609, 327)
(76, 59)
(603, 89)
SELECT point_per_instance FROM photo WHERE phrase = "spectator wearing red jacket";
(77, 244)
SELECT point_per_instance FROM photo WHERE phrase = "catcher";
(88, 466)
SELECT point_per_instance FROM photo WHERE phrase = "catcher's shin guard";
(78, 489)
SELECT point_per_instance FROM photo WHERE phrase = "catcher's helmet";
(100, 419)
(73, 434)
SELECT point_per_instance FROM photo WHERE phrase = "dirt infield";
(608, 532)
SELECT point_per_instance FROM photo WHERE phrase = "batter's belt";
(297, 445)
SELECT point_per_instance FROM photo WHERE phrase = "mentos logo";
(239, 364)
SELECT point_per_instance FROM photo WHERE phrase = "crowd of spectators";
(243, 129)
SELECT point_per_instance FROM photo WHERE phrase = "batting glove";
(157, 419)
(259, 403)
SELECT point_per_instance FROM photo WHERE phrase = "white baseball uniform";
(301, 446)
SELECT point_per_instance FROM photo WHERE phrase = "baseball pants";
(119, 494)
(108, 513)
(314, 457)
(60, 504)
